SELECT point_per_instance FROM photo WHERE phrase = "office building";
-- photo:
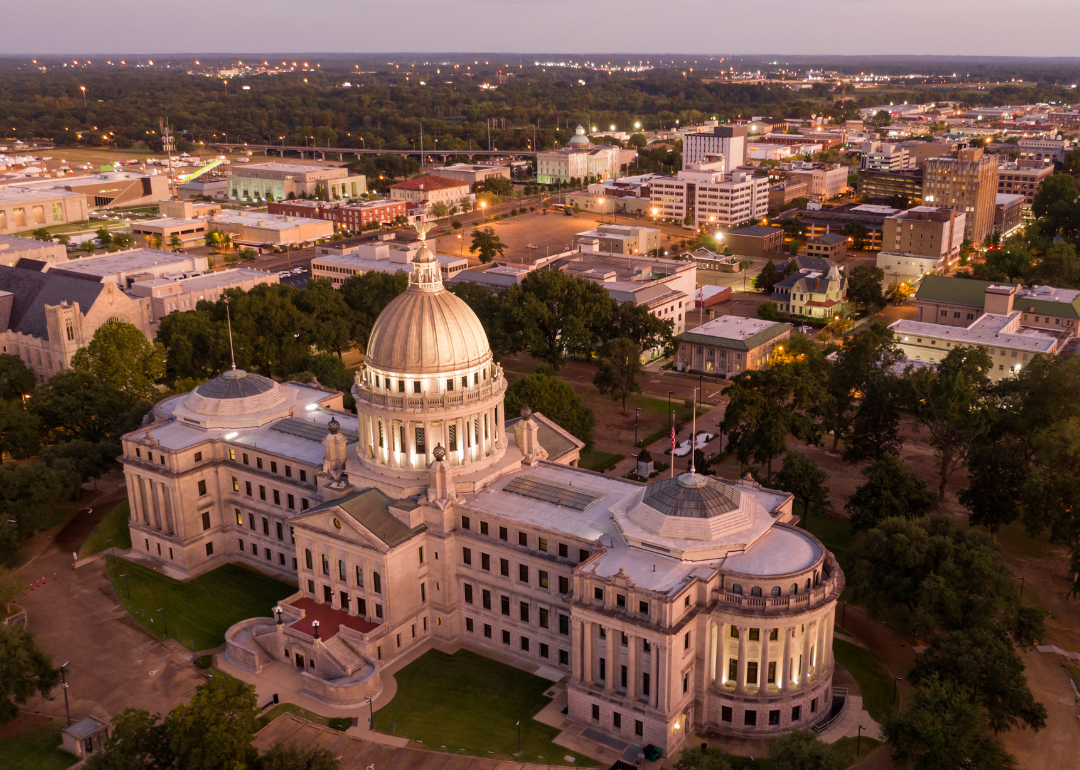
(355, 215)
(702, 194)
(338, 263)
(831, 247)
(1009, 213)
(783, 193)
(730, 345)
(180, 293)
(473, 173)
(959, 301)
(429, 518)
(823, 221)
(253, 228)
(12, 249)
(24, 209)
(280, 181)
(1043, 151)
(427, 191)
(726, 141)
(966, 182)
(619, 239)
(825, 181)
(882, 186)
(928, 231)
(879, 156)
(1023, 178)
(754, 240)
(123, 268)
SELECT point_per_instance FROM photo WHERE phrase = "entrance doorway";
(299, 660)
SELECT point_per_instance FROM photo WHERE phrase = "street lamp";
(371, 713)
(858, 741)
(83, 89)
(277, 613)
(519, 737)
(63, 678)
(1021, 588)
(315, 625)
(163, 623)
(843, 611)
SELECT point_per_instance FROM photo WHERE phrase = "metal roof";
(311, 431)
(692, 496)
(371, 508)
(235, 383)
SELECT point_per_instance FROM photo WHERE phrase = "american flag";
(673, 437)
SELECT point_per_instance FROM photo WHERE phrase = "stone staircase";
(265, 657)
(343, 654)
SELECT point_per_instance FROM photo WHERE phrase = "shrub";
(204, 661)
(340, 723)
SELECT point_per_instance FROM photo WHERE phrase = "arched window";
(817, 578)
(755, 591)
(794, 589)
(325, 564)
(775, 591)
(341, 570)
(307, 557)
(736, 589)
(359, 577)
(808, 584)
(376, 582)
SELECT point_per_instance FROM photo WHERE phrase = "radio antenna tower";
(169, 147)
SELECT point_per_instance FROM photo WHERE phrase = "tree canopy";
(543, 392)
(121, 357)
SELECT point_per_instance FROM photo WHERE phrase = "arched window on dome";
(736, 589)
(775, 591)
(341, 570)
(808, 584)
(325, 564)
(755, 591)
(817, 578)
(794, 589)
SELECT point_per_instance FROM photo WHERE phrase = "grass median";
(197, 612)
(111, 532)
(467, 704)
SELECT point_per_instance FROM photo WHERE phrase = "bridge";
(320, 153)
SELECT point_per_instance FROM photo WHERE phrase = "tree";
(328, 314)
(805, 481)
(367, 295)
(41, 234)
(120, 356)
(875, 429)
(768, 277)
(864, 286)
(556, 315)
(863, 358)
(439, 210)
(491, 311)
(858, 233)
(944, 728)
(707, 759)
(948, 401)
(637, 323)
(891, 489)
(18, 430)
(196, 344)
(175, 243)
(996, 474)
(487, 243)
(214, 731)
(985, 664)
(25, 669)
(932, 576)
(31, 492)
(11, 585)
(1051, 490)
(1060, 267)
(291, 757)
(78, 405)
(89, 460)
(138, 740)
(1056, 189)
(104, 237)
(543, 392)
(802, 750)
(620, 365)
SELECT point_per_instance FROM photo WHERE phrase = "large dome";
(426, 333)
(235, 399)
(692, 496)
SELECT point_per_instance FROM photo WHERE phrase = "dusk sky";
(857, 27)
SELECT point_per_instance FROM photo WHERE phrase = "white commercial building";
(702, 194)
(579, 159)
(880, 156)
(340, 263)
(179, 293)
(728, 141)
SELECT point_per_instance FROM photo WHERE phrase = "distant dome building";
(429, 518)
(579, 139)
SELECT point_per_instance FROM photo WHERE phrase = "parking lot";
(550, 233)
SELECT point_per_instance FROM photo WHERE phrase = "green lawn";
(847, 748)
(1014, 538)
(112, 531)
(595, 460)
(465, 703)
(835, 533)
(874, 681)
(200, 610)
(36, 750)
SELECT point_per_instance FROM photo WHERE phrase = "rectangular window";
(280, 531)
(564, 657)
(542, 580)
(598, 593)
(466, 555)
(772, 673)
(468, 594)
(583, 555)
(266, 526)
(288, 471)
(524, 610)
(292, 502)
(596, 712)
(378, 611)
(751, 672)
(616, 720)
(564, 584)
(506, 637)
(277, 497)
(239, 518)
(421, 554)
(273, 467)
(523, 573)
(209, 549)
(241, 543)
(523, 540)
(483, 527)
(485, 599)
(423, 593)
(202, 488)
(464, 522)
(639, 726)
(750, 718)
(198, 457)
(487, 631)
(564, 624)
(503, 535)
(247, 488)
(541, 543)
(485, 562)
(725, 713)
(504, 567)
(544, 652)
(643, 608)
(262, 492)
(303, 475)
(469, 625)
(732, 669)
(504, 602)
(525, 643)
(620, 601)
(544, 621)
(564, 550)
(258, 463)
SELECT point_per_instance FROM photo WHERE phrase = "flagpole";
(673, 445)
(693, 434)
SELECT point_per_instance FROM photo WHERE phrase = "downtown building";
(432, 517)
(967, 182)
(703, 194)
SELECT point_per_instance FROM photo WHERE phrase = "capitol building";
(433, 517)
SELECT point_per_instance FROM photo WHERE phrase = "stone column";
(612, 659)
(829, 636)
(804, 669)
(410, 445)
(157, 505)
(763, 664)
(721, 636)
(819, 657)
(587, 651)
(785, 681)
(740, 682)
(631, 668)
(428, 445)
(577, 658)
(662, 683)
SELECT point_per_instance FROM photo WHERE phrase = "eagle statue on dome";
(422, 229)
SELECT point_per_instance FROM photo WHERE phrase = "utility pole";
(421, 146)
(488, 124)
(67, 708)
